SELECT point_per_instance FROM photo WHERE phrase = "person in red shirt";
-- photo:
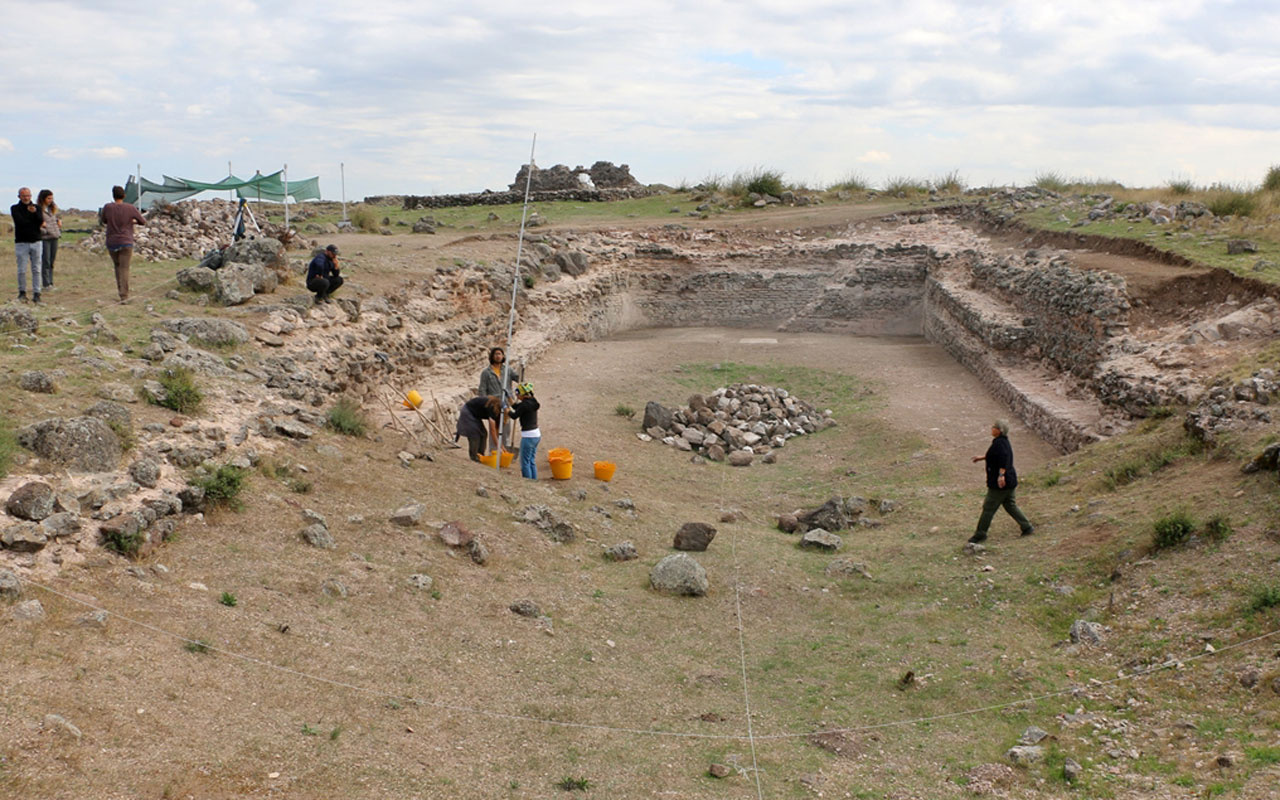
(120, 217)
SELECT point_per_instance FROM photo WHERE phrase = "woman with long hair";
(50, 232)
(471, 419)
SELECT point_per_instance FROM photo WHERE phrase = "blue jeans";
(34, 253)
(528, 451)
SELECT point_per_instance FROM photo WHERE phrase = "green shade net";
(259, 187)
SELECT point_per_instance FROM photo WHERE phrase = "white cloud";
(59, 153)
(109, 152)
(6, 146)
(874, 157)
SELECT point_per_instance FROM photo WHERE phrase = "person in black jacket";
(526, 410)
(1002, 481)
(471, 424)
(322, 274)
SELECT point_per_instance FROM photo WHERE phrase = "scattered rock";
(146, 472)
(31, 501)
(25, 537)
(788, 523)
(478, 552)
(28, 610)
(93, 619)
(719, 771)
(455, 534)
(208, 330)
(1250, 677)
(986, 779)
(1071, 770)
(420, 581)
(61, 524)
(1023, 755)
(622, 551)
(846, 568)
(37, 381)
(409, 515)
(1085, 632)
(548, 522)
(741, 458)
(694, 536)
(318, 535)
(818, 539)
(525, 608)
(82, 443)
(1033, 735)
(59, 724)
(1238, 246)
(10, 586)
(332, 587)
(679, 574)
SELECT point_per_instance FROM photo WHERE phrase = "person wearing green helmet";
(526, 410)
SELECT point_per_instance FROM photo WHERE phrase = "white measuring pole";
(515, 285)
(284, 174)
(342, 170)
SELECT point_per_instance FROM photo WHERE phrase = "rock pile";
(735, 423)
(186, 230)
(602, 175)
(1227, 407)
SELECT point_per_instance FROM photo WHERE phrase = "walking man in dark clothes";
(322, 274)
(27, 222)
(120, 217)
(1002, 481)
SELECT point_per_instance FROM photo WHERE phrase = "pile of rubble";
(602, 175)
(734, 423)
(1234, 407)
(188, 229)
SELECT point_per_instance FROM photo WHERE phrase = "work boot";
(977, 538)
(1028, 531)
(22, 297)
(35, 298)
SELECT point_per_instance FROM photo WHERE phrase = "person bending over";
(475, 412)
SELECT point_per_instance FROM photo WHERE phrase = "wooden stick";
(396, 420)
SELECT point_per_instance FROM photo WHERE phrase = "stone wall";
(413, 202)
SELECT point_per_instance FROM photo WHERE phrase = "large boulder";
(237, 282)
(834, 515)
(25, 537)
(38, 382)
(198, 279)
(16, 318)
(264, 252)
(656, 415)
(110, 412)
(86, 444)
(31, 501)
(209, 330)
(679, 574)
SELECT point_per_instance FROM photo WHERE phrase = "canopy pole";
(342, 170)
(284, 174)
(515, 285)
(230, 194)
(138, 199)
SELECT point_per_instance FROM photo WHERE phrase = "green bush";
(1172, 530)
(766, 181)
(1230, 202)
(1218, 528)
(1264, 598)
(853, 182)
(570, 784)
(126, 544)
(1271, 183)
(364, 218)
(902, 186)
(346, 418)
(228, 599)
(1125, 472)
(223, 487)
(197, 645)
(8, 446)
(181, 393)
(1053, 181)
(624, 410)
(950, 183)
(124, 433)
(1181, 186)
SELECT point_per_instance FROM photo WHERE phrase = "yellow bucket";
(412, 399)
(561, 463)
(604, 470)
(489, 458)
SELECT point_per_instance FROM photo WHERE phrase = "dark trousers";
(323, 287)
(120, 258)
(995, 499)
(476, 445)
(50, 252)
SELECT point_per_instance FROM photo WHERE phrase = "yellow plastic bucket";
(604, 470)
(488, 459)
(412, 399)
(561, 463)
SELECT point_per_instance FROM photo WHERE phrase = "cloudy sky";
(426, 97)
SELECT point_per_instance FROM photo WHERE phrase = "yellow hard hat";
(412, 399)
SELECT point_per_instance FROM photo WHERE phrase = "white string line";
(742, 645)
(648, 731)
